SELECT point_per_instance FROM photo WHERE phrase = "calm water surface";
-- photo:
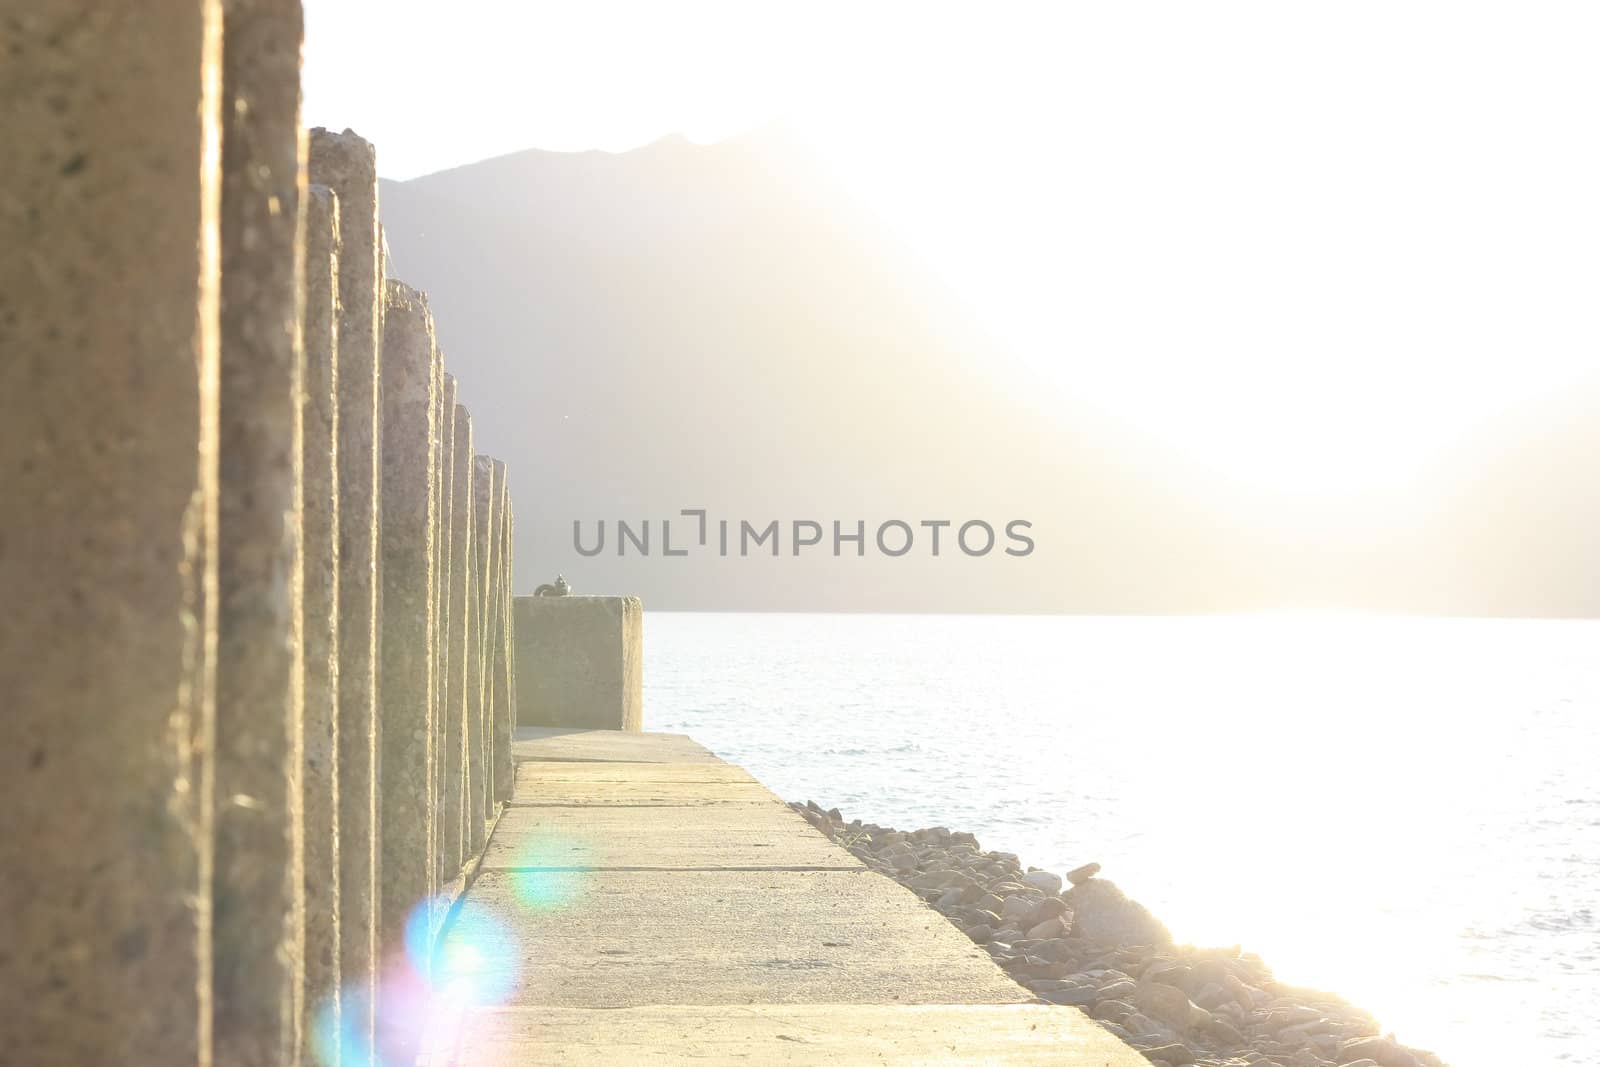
(1406, 811)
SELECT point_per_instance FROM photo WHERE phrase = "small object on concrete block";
(579, 661)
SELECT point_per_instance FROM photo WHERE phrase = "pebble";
(1050, 883)
(1080, 875)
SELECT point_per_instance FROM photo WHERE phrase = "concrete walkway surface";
(642, 901)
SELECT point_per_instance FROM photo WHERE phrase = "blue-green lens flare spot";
(478, 960)
(547, 872)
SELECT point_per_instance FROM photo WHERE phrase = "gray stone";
(1382, 1049)
(589, 651)
(1079, 875)
(405, 679)
(320, 606)
(1077, 997)
(1169, 1005)
(1102, 913)
(258, 885)
(1047, 929)
(1120, 989)
(108, 451)
(1050, 883)
(347, 164)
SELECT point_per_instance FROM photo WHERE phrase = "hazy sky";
(1317, 244)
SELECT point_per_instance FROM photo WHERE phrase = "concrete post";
(456, 784)
(446, 732)
(504, 712)
(472, 811)
(436, 659)
(405, 678)
(259, 882)
(108, 453)
(320, 523)
(479, 702)
(511, 622)
(584, 656)
(347, 164)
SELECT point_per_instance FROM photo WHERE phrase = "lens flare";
(477, 961)
(545, 874)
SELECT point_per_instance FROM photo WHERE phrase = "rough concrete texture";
(472, 808)
(456, 841)
(405, 677)
(447, 812)
(589, 651)
(681, 831)
(505, 650)
(690, 928)
(108, 325)
(578, 745)
(614, 939)
(436, 661)
(320, 642)
(258, 884)
(628, 784)
(1001, 1035)
(479, 702)
(503, 767)
(348, 165)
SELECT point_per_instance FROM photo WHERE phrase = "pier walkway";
(642, 901)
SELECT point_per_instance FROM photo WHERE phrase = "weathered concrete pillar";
(259, 881)
(108, 465)
(457, 733)
(583, 656)
(479, 703)
(320, 524)
(347, 164)
(405, 675)
(447, 725)
(511, 615)
(436, 659)
(504, 711)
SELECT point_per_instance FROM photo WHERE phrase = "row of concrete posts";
(256, 657)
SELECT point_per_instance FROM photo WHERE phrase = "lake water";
(1405, 811)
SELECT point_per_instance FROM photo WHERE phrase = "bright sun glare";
(1255, 234)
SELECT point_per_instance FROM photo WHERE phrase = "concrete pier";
(590, 652)
(348, 165)
(320, 642)
(258, 884)
(455, 843)
(643, 900)
(108, 452)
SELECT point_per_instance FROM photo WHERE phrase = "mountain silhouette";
(725, 327)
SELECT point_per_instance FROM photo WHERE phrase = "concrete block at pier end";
(580, 660)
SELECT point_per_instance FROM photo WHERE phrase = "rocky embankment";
(1079, 941)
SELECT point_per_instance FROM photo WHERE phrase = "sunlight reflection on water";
(1399, 810)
